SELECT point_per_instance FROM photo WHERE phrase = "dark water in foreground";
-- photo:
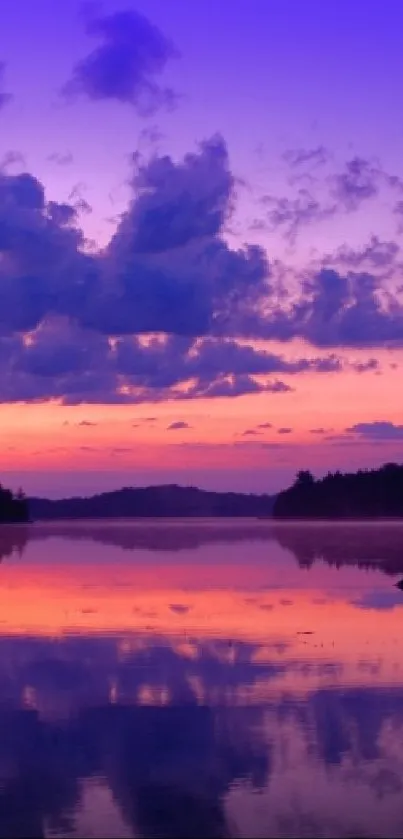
(201, 680)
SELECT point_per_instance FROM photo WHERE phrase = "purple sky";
(201, 211)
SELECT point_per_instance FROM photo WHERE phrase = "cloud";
(376, 255)
(318, 430)
(87, 424)
(291, 214)
(126, 64)
(378, 430)
(317, 156)
(77, 200)
(398, 211)
(155, 276)
(43, 267)
(178, 358)
(359, 182)
(320, 199)
(284, 430)
(369, 366)
(12, 157)
(256, 431)
(179, 608)
(63, 362)
(177, 276)
(168, 267)
(238, 385)
(178, 203)
(62, 159)
(70, 319)
(144, 421)
(350, 310)
(5, 98)
(176, 426)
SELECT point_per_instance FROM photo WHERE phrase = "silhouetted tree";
(13, 507)
(304, 478)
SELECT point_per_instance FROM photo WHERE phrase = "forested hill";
(157, 501)
(369, 494)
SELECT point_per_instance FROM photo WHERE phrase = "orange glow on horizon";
(50, 436)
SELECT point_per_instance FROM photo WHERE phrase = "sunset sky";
(201, 219)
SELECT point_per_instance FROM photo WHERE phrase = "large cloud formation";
(167, 268)
(71, 321)
(64, 362)
(132, 53)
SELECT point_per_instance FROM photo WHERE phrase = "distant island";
(13, 507)
(154, 502)
(366, 494)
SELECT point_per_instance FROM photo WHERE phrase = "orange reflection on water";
(330, 626)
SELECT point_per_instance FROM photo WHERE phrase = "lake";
(201, 679)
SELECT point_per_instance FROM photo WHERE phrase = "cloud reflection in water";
(181, 691)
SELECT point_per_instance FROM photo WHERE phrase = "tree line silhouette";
(14, 507)
(366, 494)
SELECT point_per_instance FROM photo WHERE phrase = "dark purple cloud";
(284, 430)
(178, 203)
(177, 277)
(379, 430)
(44, 269)
(177, 426)
(126, 64)
(65, 362)
(264, 425)
(168, 267)
(336, 310)
(377, 255)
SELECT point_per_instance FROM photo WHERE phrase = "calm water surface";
(206, 679)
